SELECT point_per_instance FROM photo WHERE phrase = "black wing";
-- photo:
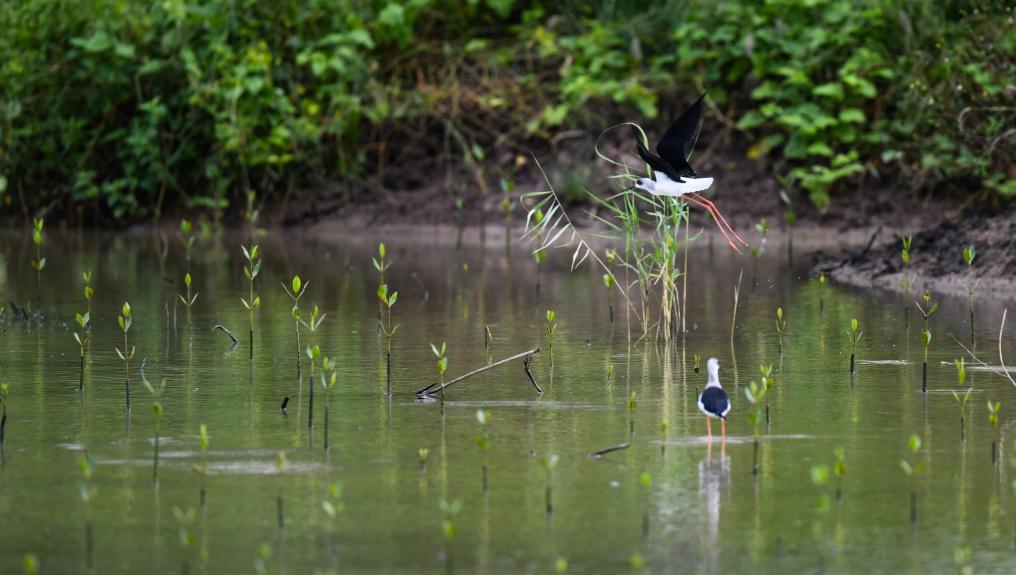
(714, 400)
(676, 144)
(656, 163)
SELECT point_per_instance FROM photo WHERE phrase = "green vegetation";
(251, 269)
(145, 107)
(39, 262)
(125, 319)
(962, 398)
(855, 336)
(913, 469)
(927, 311)
(188, 299)
(82, 337)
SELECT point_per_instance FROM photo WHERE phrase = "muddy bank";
(937, 257)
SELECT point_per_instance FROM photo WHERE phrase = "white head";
(646, 184)
(713, 367)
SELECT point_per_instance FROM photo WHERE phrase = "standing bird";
(674, 176)
(713, 401)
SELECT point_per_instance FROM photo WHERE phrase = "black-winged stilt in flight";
(713, 401)
(674, 176)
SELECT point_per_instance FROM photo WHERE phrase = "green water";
(704, 510)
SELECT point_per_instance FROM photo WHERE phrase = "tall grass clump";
(125, 320)
(251, 269)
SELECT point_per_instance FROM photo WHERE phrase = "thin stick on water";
(733, 318)
(227, 332)
(1002, 370)
(436, 388)
(598, 454)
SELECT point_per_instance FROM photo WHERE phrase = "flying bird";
(713, 401)
(674, 176)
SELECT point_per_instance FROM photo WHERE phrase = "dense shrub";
(126, 109)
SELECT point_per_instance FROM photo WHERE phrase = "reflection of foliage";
(197, 106)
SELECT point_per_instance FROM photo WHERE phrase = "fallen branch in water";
(1004, 370)
(599, 454)
(525, 365)
(227, 332)
(435, 388)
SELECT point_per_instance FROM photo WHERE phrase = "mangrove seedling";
(483, 441)
(820, 476)
(548, 462)
(313, 353)
(381, 266)
(39, 262)
(696, 361)
(926, 312)
(188, 299)
(86, 466)
(332, 504)
(125, 319)
(203, 469)
(780, 326)
(157, 414)
(962, 398)
(262, 558)
(388, 301)
(907, 279)
(550, 326)
(30, 564)
(821, 292)
(251, 269)
(968, 258)
(328, 379)
(993, 409)
(608, 282)
(855, 336)
(756, 394)
(645, 481)
(766, 371)
(185, 535)
(186, 239)
(448, 513)
(299, 288)
(280, 466)
(839, 470)
(89, 292)
(442, 366)
(82, 337)
(423, 453)
(913, 470)
(632, 404)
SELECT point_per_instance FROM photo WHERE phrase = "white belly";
(667, 187)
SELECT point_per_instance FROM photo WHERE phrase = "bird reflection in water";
(714, 483)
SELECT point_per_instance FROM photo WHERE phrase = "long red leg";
(717, 212)
(716, 219)
(709, 428)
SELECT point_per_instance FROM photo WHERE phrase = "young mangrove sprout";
(157, 414)
(39, 262)
(185, 535)
(913, 470)
(381, 266)
(86, 466)
(839, 470)
(756, 394)
(608, 282)
(328, 379)
(855, 336)
(203, 469)
(30, 564)
(251, 269)
(448, 513)
(780, 326)
(696, 361)
(82, 337)
(632, 404)
(423, 454)
(332, 504)
(766, 371)
(125, 319)
(186, 239)
(280, 466)
(907, 279)
(645, 481)
(820, 476)
(550, 326)
(89, 292)
(299, 288)
(188, 299)
(388, 301)
(926, 312)
(548, 462)
(483, 441)
(262, 558)
(993, 409)
(313, 353)
(968, 258)
(962, 398)
(821, 292)
(442, 367)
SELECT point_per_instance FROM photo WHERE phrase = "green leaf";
(852, 115)
(831, 90)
